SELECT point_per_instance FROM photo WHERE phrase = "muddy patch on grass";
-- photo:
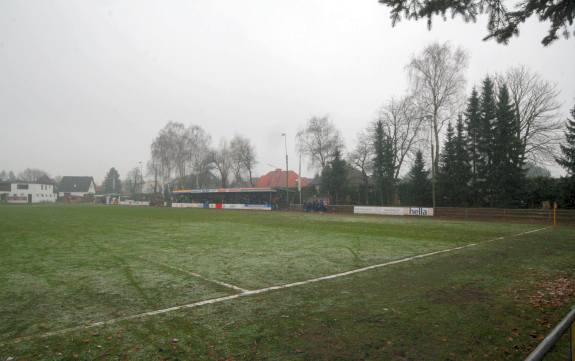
(543, 290)
(457, 295)
(553, 293)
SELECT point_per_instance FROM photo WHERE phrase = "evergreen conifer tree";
(507, 170)
(461, 167)
(334, 176)
(389, 170)
(325, 179)
(383, 169)
(484, 168)
(378, 161)
(112, 183)
(567, 161)
(473, 121)
(418, 183)
(446, 176)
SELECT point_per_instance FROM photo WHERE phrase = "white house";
(76, 186)
(27, 192)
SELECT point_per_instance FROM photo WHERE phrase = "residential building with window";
(76, 187)
(27, 192)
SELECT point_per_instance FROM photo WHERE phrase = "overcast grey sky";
(86, 85)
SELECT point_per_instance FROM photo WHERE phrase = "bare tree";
(319, 140)
(536, 108)
(203, 176)
(249, 161)
(179, 147)
(236, 146)
(223, 162)
(154, 169)
(438, 83)
(361, 158)
(161, 150)
(402, 124)
(179, 150)
(133, 181)
(198, 151)
(32, 174)
(244, 158)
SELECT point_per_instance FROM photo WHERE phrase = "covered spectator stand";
(227, 198)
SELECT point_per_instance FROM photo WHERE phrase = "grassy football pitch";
(63, 267)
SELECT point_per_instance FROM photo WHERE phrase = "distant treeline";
(486, 148)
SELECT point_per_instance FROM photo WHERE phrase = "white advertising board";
(187, 205)
(257, 207)
(134, 203)
(393, 211)
(384, 211)
(421, 211)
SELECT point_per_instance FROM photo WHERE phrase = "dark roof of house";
(19, 181)
(75, 184)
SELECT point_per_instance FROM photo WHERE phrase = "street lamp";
(299, 180)
(287, 169)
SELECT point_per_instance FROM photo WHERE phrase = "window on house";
(22, 186)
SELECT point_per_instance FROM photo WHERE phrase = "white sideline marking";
(228, 285)
(255, 292)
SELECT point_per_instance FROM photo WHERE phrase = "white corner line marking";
(197, 275)
(255, 292)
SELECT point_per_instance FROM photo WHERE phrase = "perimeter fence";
(542, 216)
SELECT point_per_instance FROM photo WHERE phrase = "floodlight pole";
(141, 178)
(299, 179)
(287, 170)
(430, 118)
(432, 165)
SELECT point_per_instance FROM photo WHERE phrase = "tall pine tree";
(484, 168)
(461, 167)
(112, 183)
(383, 169)
(454, 171)
(389, 171)
(567, 161)
(418, 183)
(446, 176)
(507, 168)
(334, 177)
(473, 121)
